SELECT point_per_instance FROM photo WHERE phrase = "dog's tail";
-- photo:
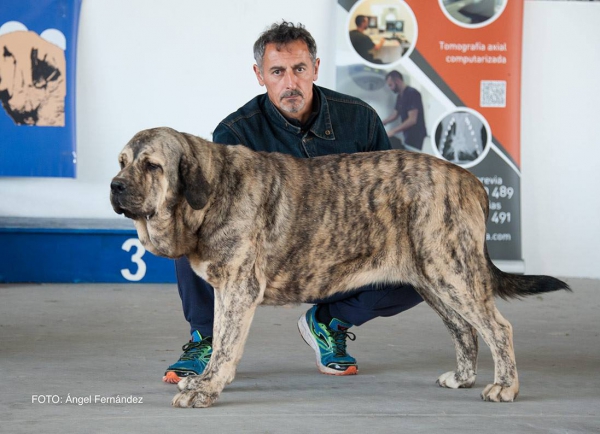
(508, 285)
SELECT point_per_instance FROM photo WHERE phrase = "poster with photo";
(444, 76)
(37, 87)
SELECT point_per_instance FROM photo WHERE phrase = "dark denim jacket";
(343, 124)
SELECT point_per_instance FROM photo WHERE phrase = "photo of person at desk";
(377, 46)
(362, 43)
(409, 109)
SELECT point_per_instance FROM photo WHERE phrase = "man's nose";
(290, 80)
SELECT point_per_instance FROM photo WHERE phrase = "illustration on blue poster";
(37, 87)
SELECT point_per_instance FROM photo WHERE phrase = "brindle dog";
(272, 229)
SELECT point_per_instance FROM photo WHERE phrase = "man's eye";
(276, 72)
(301, 69)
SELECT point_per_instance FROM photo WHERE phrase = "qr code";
(493, 93)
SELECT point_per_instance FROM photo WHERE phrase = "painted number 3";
(136, 258)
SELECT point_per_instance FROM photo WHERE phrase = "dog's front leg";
(235, 305)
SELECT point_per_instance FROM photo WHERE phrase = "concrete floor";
(112, 340)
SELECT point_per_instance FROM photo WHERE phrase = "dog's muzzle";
(117, 186)
(119, 194)
(117, 189)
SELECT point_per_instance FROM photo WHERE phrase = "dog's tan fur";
(273, 229)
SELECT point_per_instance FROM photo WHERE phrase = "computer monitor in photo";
(395, 26)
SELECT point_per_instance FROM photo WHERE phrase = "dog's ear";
(196, 188)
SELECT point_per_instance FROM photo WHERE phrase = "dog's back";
(341, 221)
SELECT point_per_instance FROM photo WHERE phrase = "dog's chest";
(200, 268)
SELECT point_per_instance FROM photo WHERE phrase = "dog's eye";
(153, 167)
(121, 164)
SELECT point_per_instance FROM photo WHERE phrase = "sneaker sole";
(308, 338)
(171, 378)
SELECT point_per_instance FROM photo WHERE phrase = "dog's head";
(163, 188)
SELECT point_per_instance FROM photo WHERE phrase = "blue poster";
(38, 44)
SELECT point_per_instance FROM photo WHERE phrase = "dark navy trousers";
(355, 307)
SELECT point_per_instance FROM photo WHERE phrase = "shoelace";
(339, 338)
(196, 350)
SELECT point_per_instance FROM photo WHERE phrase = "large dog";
(269, 228)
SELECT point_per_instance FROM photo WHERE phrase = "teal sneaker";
(329, 343)
(193, 361)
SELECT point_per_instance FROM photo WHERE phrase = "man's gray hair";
(281, 34)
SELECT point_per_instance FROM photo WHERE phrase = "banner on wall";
(38, 41)
(444, 77)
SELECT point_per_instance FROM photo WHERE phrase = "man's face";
(392, 84)
(364, 23)
(288, 75)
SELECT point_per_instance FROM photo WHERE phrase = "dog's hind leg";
(480, 311)
(464, 337)
(498, 334)
(234, 309)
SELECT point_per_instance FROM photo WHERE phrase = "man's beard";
(292, 107)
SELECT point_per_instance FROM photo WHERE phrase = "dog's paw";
(498, 393)
(195, 399)
(185, 382)
(452, 380)
(195, 392)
